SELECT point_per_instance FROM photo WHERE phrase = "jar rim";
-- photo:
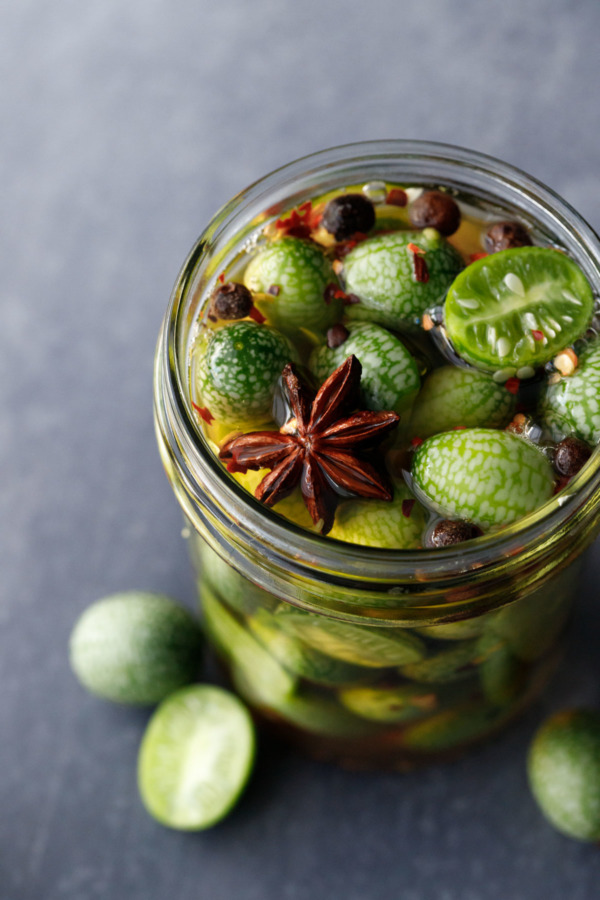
(207, 483)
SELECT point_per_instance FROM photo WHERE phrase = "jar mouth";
(206, 482)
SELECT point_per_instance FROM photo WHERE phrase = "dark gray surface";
(124, 127)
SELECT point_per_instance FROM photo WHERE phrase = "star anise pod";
(320, 447)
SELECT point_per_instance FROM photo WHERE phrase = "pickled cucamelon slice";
(305, 709)
(455, 631)
(516, 309)
(533, 624)
(362, 645)
(235, 590)
(402, 703)
(454, 396)
(393, 288)
(572, 406)
(502, 675)
(451, 727)
(300, 659)
(240, 647)
(485, 476)
(390, 377)
(295, 274)
(447, 665)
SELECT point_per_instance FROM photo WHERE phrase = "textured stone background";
(124, 126)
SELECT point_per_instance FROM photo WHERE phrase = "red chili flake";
(292, 220)
(299, 222)
(343, 248)
(538, 335)
(459, 428)
(329, 292)
(300, 231)
(314, 218)
(473, 257)
(221, 277)
(204, 413)
(416, 442)
(419, 264)
(334, 292)
(397, 197)
(274, 289)
(421, 270)
(256, 315)
(512, 385)
(407, 508)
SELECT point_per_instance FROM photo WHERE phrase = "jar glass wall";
(371, 656)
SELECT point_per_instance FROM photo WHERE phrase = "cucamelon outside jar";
(370, 655)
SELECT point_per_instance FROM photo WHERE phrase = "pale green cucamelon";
(485, 476)
(397, 524)
(572, 406)
(390, 377)
(564, 772)
(301, 272)
(453, 396)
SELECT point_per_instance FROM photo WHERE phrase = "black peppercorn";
(449, 532)
(433, 209)
(348, 214)
(570, 456)
(336, 335)
(505, 235)
(231, 301)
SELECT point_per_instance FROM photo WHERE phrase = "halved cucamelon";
(514, 310)
(195, 758)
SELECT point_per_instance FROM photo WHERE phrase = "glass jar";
(362, 655)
